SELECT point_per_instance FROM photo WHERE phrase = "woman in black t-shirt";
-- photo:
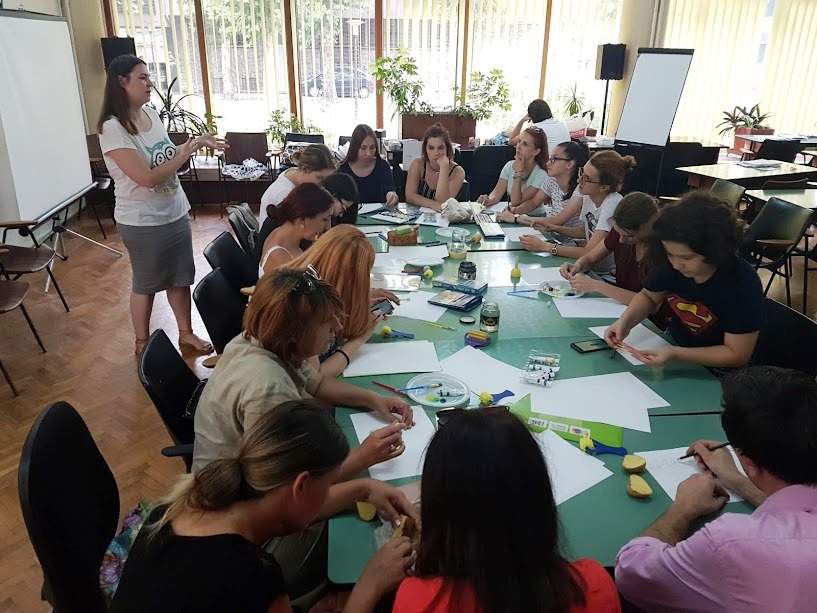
(714, 295)
(202, 549)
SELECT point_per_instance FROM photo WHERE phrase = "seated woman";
(202, 549)
(596, 201)
(347, 199)
(632, 223)
(314, 164)
(343, 257)
(558, 188)
(434, 177)
(292, 316)
(489, 532)
(304, 215)
(715, 296)
(523, 178)
(371, 172)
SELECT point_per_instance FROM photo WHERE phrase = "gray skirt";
(161, 257)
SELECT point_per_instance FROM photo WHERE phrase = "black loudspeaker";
(610, 62)
(114, 47)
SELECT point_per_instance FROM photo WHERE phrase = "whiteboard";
(653, 96)
(42, 141)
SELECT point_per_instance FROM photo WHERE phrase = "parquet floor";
(90, 363)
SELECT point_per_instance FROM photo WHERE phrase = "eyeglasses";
(306, 283)
(553, 158)
(583, 177)
(536, 129)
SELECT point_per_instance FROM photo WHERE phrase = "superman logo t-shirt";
(729, 302)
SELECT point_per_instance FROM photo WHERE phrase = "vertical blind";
(725, 35)
(789, 88)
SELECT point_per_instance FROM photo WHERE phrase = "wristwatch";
(516, 218)
(554, 250)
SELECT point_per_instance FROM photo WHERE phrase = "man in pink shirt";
(766, 561)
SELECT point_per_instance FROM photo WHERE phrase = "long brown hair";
(359, 134)
(115, 101)
(438, 131)
(287, 440)
(314, 157)
(612, 168)
(303, 202)
(344, 257)
(540, 141)
(284, 309)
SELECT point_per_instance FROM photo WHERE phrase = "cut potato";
(366, 511)
(638, 488)
(634, 463)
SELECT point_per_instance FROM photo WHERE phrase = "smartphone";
(384, 306)
(597, 344)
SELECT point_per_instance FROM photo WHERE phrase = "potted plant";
(743, 121)
(282, 122)
(485, 94)
(177, 118)
(397, 76)
(574, 107)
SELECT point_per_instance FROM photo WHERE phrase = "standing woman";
(371, 173)
(434, 177)
(151, 207)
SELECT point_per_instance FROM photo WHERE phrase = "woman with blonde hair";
(203, 550)
(344, 257)
(314, 164)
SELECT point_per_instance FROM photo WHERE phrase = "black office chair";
(772, 237)
(342, 140)
(787, 339)
(298, 137)
(464, 195)
(221, 307)
(486, 164)
(246, 232)
(796, 184)
(70, 505)
(223, 252)
(729, 192)
(174, 390)
(673, 182)
(773, 149)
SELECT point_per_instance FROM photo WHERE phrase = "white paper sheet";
(598, 308)
(513, 234)
(535, 276)
(619, 399)
(640, 337)
(410, 462)
(541, 254)
(369, 207)
(393, 358)
(439, 221)
(397, 256)
(571, 471)
(416, 306)
(669, 471)
(496, 208)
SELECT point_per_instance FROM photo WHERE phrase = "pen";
(721, 446)
(432, 244)
(391, 389)
(436, 325)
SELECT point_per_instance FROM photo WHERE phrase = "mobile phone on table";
(596, 344)
(384, 306)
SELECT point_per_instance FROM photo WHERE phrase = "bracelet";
(343, 353)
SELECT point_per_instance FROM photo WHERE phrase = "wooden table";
(750, 178)
(807, 198)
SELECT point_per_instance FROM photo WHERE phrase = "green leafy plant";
(741, 117)
(210, 122)
(177, 118)
(282, 122)
(399, 78)
(574, 104)
(484, 94)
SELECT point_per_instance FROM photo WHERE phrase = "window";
(246, 60)
(165, 35)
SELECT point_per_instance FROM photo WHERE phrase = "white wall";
(49, 7)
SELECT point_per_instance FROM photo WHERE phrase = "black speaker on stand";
(610, 67)
(112, 48)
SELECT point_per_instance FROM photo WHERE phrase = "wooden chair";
(243, 145)
(12, 295)
(19, 261)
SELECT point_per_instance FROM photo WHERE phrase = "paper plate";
(419, 396)
(559, 289)
(447, 232)
(425, 261)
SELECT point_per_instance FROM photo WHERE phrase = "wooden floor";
(90, 363)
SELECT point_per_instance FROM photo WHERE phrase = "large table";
(750, 178)
(599, 521)
(807, 198)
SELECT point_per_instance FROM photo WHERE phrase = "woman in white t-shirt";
(151, 207)
(314, 164)
(522, 178)
(599, 183)
(540, 115)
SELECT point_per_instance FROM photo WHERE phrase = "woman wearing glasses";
(521, 179)
(303, 215)
(370, 171)
(347, 198)
(596, 201)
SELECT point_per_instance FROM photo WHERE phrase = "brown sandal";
(195, 342)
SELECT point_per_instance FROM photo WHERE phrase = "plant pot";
(460, 129)
(739, 142)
